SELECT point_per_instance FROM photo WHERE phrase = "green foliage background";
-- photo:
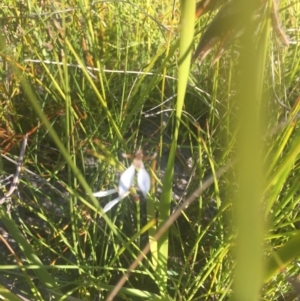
(91, 80)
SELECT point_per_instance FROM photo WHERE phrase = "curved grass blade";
(281, 258)
(8, 295)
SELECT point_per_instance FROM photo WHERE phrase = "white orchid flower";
(126, 180)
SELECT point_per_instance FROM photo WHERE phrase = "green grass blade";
(58, 142)
(28, 252)
(248, 204)
(8, 295)
(281, 258)
(186, 39)
(280, 176)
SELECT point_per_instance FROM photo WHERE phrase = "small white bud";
(143, 180)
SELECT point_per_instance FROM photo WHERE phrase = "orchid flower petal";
(126, 180)
(143, 180)
(101, 194)
(114, 202)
